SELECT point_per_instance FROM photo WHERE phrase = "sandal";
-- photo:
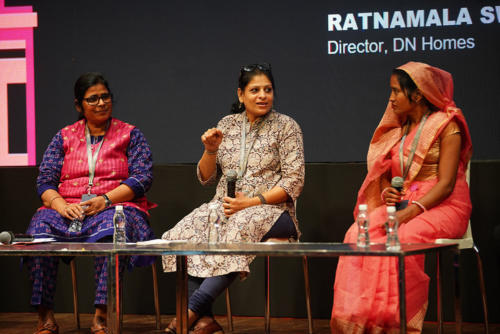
(207, 325)
(47, 328)
(102, 330)
(171, 328)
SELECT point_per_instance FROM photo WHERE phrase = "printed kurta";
(133, 162)
(123, 142)
(275, 159)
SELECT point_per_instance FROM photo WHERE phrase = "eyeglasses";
(94, 99)
(253, 67)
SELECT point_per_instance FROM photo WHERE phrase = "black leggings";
(203, 291)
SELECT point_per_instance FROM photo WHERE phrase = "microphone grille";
(397, 182)
(6, 237)
(231, 175)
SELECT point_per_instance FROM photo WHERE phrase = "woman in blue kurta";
(123, 173)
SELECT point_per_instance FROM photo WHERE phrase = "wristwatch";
(107, 201)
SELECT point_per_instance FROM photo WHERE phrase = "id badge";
(86, 197)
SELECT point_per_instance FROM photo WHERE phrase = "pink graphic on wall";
(16, 33)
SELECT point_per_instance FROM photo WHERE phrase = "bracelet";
(262, 199)
(52, 200)
(420, 205)
(211, 152)
(382, 194)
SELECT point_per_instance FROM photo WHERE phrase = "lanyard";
(92, 159)
(243, 154)
(413, 146)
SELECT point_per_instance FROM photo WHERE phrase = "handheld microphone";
(7, 237)
(231, 177)
(397, 183)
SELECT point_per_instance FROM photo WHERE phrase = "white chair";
(466, 242)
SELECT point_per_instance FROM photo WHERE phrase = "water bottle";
(363, 224)
(213, 224)
(119, 222)
(392, 242)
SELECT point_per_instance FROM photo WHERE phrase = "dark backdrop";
(173, 66)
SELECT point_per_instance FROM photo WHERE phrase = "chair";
(466, 242)
(76, 312)
(267, 309)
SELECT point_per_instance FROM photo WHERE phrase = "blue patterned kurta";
(48, 223)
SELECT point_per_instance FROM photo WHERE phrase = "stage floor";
(23, 323)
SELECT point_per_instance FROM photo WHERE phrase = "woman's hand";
(391, 196)
(70, 211)
(240, 202)
(94, 205)
(408, 213)
(212, 139)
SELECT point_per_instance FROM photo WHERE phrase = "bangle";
(382, 194)
(262, 199)
(420, 205)
(211, 152)
(52, 200)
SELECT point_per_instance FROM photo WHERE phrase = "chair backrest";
(468, 233)
(466, 241)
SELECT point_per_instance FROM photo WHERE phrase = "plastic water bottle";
(363, 224)
(213, 224)
(119, 222)
(392, 242)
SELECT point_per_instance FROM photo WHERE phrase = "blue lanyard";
(413, 146)
(92, 159)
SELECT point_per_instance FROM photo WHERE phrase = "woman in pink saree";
(423, 138)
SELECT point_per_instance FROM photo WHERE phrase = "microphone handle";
(25, 238)
(401, 204)
(231, 189)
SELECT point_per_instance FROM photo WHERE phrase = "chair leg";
(156, 296)
(483, 288)
(308, 294)
(76, 312)
(121, 302)
(229, 311)
(267, 315)
(439, 291)
(457, 295)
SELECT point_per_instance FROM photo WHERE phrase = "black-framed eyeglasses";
(93, 100)
(253, 67)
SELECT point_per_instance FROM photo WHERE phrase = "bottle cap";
(391, 209)
(119, 208)
(363, 207)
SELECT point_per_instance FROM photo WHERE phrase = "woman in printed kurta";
(269, 182)
(123, 173)
(366, 288)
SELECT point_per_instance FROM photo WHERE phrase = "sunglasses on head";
(253, 67)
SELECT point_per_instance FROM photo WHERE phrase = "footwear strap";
(102, 330)
(47, 329)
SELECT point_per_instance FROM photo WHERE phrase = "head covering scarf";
(436, 85)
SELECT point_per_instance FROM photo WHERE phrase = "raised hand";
(212, 139)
